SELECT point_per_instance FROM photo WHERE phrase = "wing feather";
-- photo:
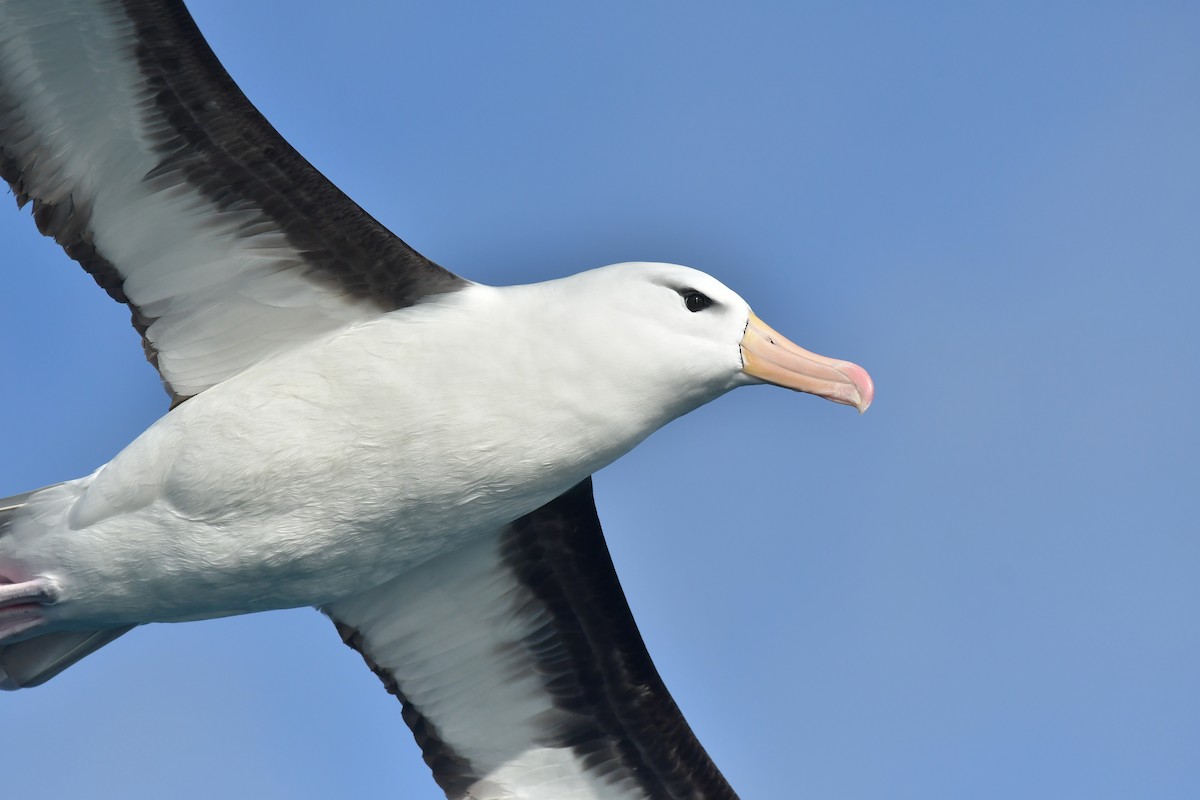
(522, 672)
(143, 159)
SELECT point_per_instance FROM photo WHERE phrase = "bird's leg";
(22, 605)
(41, 591)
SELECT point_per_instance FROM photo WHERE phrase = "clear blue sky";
(986, 587)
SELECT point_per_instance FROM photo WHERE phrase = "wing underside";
(522, 672)
(143, 159)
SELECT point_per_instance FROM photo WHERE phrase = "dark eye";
(695, 301)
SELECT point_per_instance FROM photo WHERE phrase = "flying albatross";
(352, 426)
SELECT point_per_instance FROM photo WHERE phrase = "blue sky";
(985, 587)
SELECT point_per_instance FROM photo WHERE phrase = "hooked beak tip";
(862, 383)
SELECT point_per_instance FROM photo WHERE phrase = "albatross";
(352, 426)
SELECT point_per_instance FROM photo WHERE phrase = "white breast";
(340, 465)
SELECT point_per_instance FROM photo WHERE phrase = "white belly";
(325, 475)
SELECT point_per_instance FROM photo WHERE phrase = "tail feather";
(35, 660)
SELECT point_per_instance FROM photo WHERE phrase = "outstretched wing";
(522, 673)
(144, 160)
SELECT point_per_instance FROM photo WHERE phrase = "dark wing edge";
(610, 708)
(206, 138)
(220, 142)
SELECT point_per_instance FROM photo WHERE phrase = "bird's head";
(676, 327)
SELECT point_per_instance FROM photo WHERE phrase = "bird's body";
(335, 467)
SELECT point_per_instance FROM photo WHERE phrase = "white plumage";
(339, 465)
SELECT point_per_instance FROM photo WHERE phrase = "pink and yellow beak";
(769, 357)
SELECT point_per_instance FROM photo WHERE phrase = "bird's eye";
(695, 301)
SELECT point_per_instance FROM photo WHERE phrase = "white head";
(673, 338)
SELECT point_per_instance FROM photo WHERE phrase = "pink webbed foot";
(22, 605)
